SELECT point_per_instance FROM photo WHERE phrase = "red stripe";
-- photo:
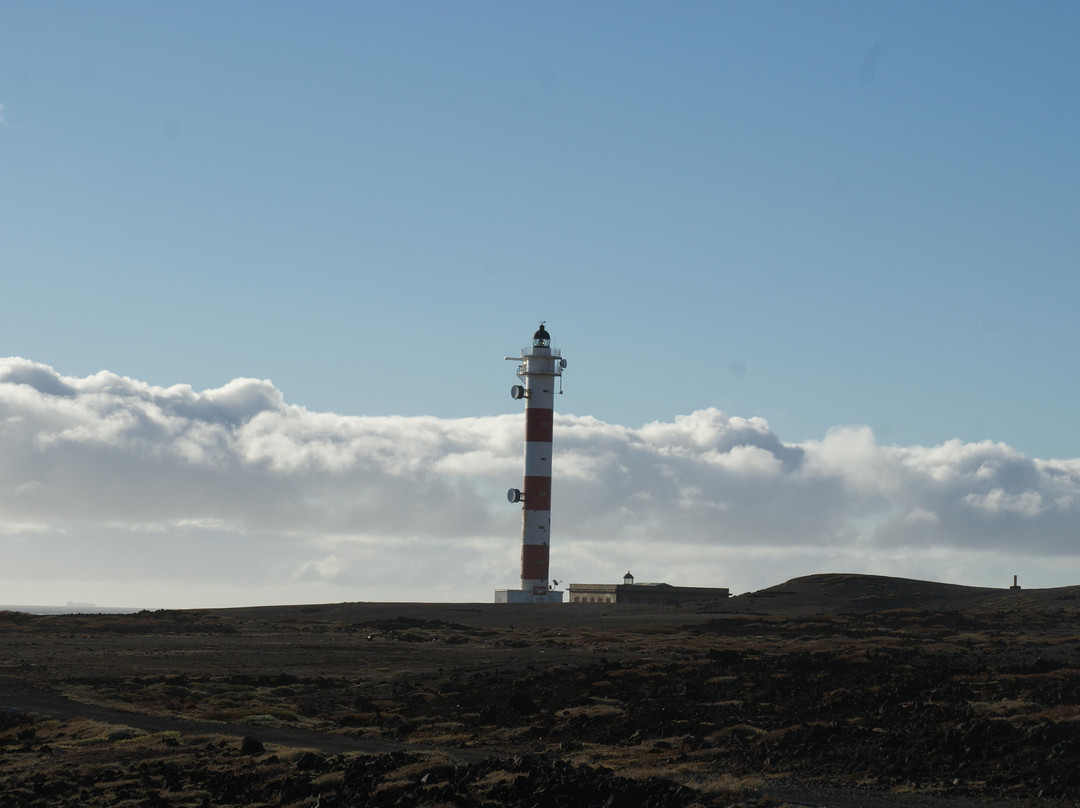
(534, 562)
(538, 423)
(538, 493)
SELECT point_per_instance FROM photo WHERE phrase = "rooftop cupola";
(628, 579)
(541, 339)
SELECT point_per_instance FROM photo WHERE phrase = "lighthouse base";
(526, 596)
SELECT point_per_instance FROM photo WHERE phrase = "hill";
(838, 593)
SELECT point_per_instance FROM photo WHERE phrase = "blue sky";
(821, 214)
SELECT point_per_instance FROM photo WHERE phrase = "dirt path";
(31, 698)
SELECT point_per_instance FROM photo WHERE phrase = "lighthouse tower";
(540, 366)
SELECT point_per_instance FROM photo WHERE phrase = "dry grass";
(443, 733)
(1005, 708)
(601, 708)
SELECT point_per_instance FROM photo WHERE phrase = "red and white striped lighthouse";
(541, 365)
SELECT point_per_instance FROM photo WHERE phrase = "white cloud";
(115, 482)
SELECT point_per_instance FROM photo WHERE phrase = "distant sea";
(71, 608)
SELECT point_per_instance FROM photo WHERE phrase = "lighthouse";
(540, 367)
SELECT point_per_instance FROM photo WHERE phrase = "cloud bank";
(113, 488)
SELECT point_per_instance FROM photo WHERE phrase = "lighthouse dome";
(541, 337)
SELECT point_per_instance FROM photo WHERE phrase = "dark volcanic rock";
(252, 746)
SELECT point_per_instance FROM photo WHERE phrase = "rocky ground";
(828, 690)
